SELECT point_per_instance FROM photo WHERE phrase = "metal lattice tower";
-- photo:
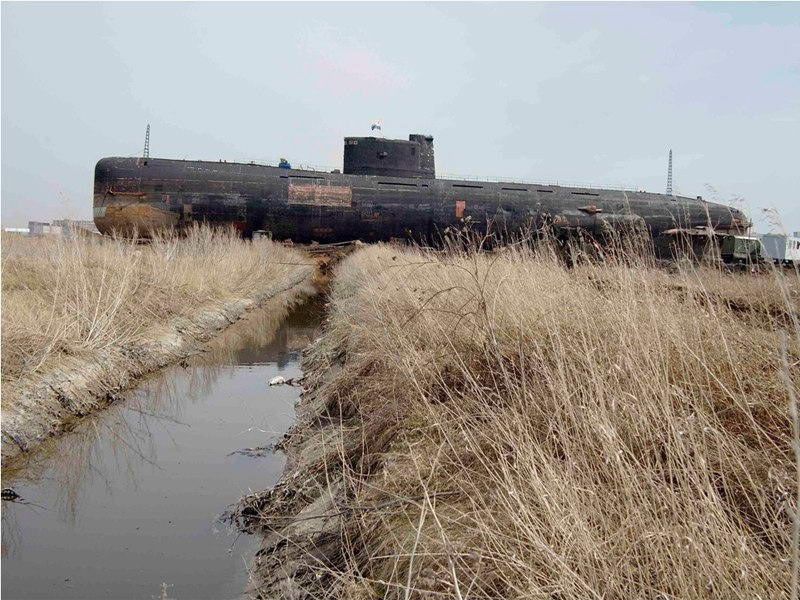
(669, 175)
(146, 153)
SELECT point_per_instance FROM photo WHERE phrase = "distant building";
(69, 225)
(40, 228)
(65, 227)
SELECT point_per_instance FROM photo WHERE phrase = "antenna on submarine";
(669, 175)
(146, 153)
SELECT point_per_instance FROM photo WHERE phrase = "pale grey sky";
(572, 92)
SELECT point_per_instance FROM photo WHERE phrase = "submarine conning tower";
(390, 158)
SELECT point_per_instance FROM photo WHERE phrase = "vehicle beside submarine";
(387, 189)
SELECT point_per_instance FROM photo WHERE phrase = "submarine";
(387, 189)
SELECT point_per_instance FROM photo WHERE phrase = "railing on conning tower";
(485, 179)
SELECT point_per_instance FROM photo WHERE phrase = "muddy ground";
(300, 518)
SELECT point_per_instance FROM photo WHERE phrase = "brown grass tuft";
(78, 298)
(530, 431)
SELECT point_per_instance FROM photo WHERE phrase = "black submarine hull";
(136, 195)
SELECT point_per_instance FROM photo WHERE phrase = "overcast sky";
(594, 93)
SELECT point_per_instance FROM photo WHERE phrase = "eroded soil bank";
(50, 404)
(125, 505)
(300, 519)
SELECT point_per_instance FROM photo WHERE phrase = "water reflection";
(114, 482)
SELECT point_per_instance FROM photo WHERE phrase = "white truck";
(781, 248)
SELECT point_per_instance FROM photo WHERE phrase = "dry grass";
(529, 431)
(81, 297)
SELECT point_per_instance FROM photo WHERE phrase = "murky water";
(125, 506)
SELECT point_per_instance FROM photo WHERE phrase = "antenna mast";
(146, 153)
(669, 175)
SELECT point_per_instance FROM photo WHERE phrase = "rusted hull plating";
(142, 195)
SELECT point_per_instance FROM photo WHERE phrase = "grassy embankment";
(502, 427)
(82, 318)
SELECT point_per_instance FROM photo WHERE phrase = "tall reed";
(518, 429)
(77, 297)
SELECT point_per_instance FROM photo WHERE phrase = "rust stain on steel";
(460, 206)
(134, 194)
(736, 223)
(130, 217)
(320, 195)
